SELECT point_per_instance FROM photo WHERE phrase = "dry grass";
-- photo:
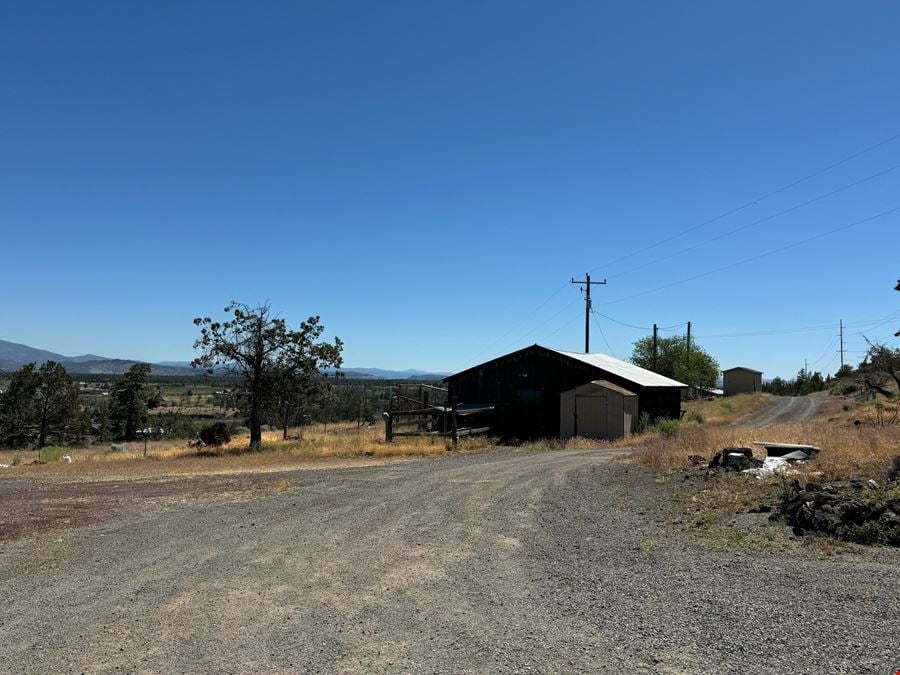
(726, 410)
(847, 451)
(340, 445)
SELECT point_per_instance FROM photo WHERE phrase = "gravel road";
(783, 410)
(499, 562)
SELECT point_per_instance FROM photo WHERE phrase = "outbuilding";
(597, 409)
(741, 380)
(526, 390)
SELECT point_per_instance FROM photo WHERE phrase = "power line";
(755, 201)
(603, 335)
(758, 256)
(759, 221)
(622, 323)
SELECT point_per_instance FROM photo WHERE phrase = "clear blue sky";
(428, 176)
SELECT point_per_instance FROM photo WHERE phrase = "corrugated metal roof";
(628, 371)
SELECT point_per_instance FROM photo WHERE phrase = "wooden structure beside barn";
(597, 409)
(525, 389)
(741, 380)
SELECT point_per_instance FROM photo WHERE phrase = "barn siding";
(525, 386)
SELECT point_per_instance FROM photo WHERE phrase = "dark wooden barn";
(525, 386)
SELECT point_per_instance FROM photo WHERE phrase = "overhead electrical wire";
(758, 221)
(725, 214)
(603, 335)
(752, 202)
(757, 256)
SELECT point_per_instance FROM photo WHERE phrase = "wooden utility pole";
(841, 335)
(586, 287)
(655, 337)
(689, 350)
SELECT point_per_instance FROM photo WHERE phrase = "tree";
(880, 364)
(17, 406)
(672, 360)
(55, 400)
(264, 353)
(131, 399)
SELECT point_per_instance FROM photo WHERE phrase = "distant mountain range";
(14, 356)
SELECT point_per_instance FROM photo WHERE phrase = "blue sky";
(428, 176)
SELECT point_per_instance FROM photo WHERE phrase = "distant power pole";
(841, 335)
(655, 338)
(586, 287)
(689, 349)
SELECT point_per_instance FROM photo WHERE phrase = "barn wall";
(741, 382)
(525, 387)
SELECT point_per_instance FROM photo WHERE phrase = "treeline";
(804, 383)
(42, 404)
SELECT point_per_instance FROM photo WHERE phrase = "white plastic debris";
(67, 458)
(772, 466)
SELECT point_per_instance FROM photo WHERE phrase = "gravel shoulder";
(501, 562)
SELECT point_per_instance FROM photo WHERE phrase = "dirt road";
(506, 561)
(783, 410)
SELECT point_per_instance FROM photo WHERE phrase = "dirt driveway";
(783, 410)
(506, 561)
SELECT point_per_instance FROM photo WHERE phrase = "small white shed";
(597, 409)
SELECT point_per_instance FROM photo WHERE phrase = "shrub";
(17, 459)
(215, 434)
(666, 427)
(695, 416)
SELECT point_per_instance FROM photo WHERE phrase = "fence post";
(453, 420)
(388, 427)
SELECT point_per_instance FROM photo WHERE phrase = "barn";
(527, 388)
(741, 380)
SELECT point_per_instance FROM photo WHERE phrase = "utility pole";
(841, 335)
(689, 350)
(586, 287)
(655, 336)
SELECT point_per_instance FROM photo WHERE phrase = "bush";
(695, 416)
(661, 425)
(666, 427)
(215, 434)
(17, 459)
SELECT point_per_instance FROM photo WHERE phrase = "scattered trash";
(67, 459)
(697, 460)
(783, 449)
(4, 466)
(872, 484)
(772, 466)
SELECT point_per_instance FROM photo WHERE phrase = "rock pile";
(842, 511)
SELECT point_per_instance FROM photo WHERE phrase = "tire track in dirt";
(783, 410)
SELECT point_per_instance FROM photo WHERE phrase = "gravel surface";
(783, 410)
(505, 561)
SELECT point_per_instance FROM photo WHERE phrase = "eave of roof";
(749, 370)
(627, 371)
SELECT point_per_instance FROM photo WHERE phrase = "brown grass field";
(847, 451)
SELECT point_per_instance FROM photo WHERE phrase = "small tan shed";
(741, 380)
(597, 409)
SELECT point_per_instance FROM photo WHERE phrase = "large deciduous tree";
(274, 362)
(131, 399)
(696, 368)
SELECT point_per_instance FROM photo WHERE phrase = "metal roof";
(625, 370)
(749, 370)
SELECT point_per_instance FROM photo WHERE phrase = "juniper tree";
(270, 359)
